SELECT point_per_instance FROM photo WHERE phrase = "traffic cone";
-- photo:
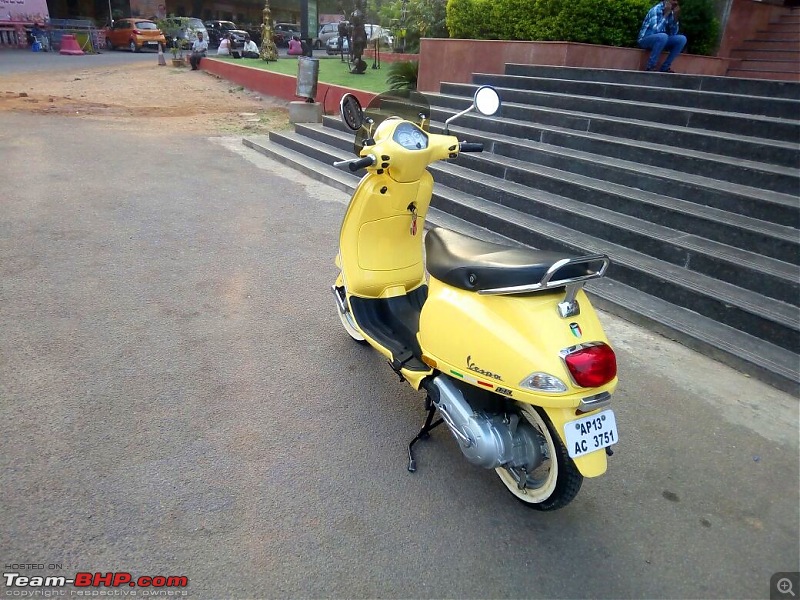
(161, 61)
(69, 45)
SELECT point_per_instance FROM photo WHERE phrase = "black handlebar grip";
(470, 147)
(360, 164)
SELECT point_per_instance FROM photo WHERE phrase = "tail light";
(592, 366)
(137, 32)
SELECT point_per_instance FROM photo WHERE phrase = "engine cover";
(489, 440)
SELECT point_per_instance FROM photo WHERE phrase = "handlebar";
(470, 147)
(354, 164)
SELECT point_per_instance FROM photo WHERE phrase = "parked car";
(134, 34)
(332, 46)
(326, 32)
(283, 32)
(218, 29)
(184, 30)
(377, 32)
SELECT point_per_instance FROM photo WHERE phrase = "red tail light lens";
(137, 32)
(592, 366)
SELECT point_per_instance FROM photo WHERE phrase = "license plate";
(591, 433)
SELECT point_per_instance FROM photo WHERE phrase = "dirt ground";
(165, 97)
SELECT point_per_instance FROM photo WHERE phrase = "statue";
(359, 38)
(269, 51)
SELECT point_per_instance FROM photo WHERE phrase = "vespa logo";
(473, 367)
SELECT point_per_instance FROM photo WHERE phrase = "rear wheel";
(109, 45)
(133, 46)
(556, 481)
(318, 45)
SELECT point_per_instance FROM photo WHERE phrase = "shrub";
(606, 22)
(403, 75)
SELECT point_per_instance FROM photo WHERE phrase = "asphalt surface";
(22, 61)
(179, 399)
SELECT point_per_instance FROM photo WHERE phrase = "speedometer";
(410, 137)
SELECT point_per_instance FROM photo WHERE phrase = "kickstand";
(423, 433)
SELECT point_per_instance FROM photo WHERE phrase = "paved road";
(179, 399)
(22, 61)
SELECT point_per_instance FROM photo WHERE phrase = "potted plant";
(177, 54)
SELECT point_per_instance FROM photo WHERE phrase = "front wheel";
(318, 45)
(553, 483)
(346, 317)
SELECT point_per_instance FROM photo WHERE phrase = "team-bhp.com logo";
(94, 580)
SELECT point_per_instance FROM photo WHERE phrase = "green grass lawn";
(331, 70)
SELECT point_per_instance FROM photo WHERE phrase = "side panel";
(495, 342)
(378, 252)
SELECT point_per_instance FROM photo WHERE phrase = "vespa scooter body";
(475, 315)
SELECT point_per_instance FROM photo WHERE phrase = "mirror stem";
(455, 116)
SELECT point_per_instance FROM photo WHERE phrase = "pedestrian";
(199, 49)
(250, 50)
(660, 32)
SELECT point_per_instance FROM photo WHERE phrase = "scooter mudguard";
(590, 465)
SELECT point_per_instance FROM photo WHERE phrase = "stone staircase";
(689, 183)
(772, 53)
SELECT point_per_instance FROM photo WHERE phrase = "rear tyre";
(318, 45)
(555, 482)
(133, 46)
(109, 45)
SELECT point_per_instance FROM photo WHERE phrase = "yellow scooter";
(503, 340)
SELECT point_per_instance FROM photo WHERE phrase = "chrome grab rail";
(547, 283)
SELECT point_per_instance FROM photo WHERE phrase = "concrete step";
(793, 27)
(786, 130)
(787, 34)
(655, 82)
(780, 179)
(732, 305)
(755, 204)
(768, 44)
(749, 354)
(770, 151)
(766, 54)
(742, 241)
(772, 64)
(725, 303)
(765, 75)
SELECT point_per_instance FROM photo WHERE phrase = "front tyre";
(553, 483)
(346, 317)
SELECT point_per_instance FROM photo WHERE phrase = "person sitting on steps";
(199, 49)
(660, 32)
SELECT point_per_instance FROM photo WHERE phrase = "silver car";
(184, 30)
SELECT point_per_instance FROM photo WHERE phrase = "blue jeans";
(660, 42)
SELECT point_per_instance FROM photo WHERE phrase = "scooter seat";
(471, 264)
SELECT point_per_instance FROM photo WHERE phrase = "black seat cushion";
(471, 264)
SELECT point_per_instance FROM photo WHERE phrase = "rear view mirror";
(351, 112)
(486, 101)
